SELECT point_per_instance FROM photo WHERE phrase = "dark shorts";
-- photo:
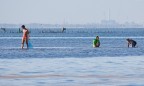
(134, 44)
(98, 44)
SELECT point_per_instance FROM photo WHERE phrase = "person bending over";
(131, 42)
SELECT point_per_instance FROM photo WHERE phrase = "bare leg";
(23, 40)
(27, 42)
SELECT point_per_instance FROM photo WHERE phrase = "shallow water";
(48, 47)
(68, 59)
(74, 42)
(97, 71)
(76, 32)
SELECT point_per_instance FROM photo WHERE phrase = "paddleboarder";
(25, 37)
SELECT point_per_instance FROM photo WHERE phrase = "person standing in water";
(131, 42)
(96, 42)
(25, 37)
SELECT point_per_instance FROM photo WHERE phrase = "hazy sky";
(70, 11)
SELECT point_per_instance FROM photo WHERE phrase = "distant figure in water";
(63, 29)
(96, 42)
(131, 42)
(25, 37)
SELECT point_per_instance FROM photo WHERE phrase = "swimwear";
(25, 34)
(133, 43)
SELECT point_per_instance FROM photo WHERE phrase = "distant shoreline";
(76, 28)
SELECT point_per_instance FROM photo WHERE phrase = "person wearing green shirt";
(96, 42)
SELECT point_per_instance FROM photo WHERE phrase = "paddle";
(30, 44)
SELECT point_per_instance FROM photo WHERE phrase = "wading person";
(96, 42)
(131, 42)
(25, 37)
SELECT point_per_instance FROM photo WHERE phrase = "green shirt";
(95, 41)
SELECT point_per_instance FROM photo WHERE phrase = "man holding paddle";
(25, 37)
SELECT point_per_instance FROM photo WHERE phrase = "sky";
(70, 11)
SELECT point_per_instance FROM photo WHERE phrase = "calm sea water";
(68, 59)
(72, 43)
